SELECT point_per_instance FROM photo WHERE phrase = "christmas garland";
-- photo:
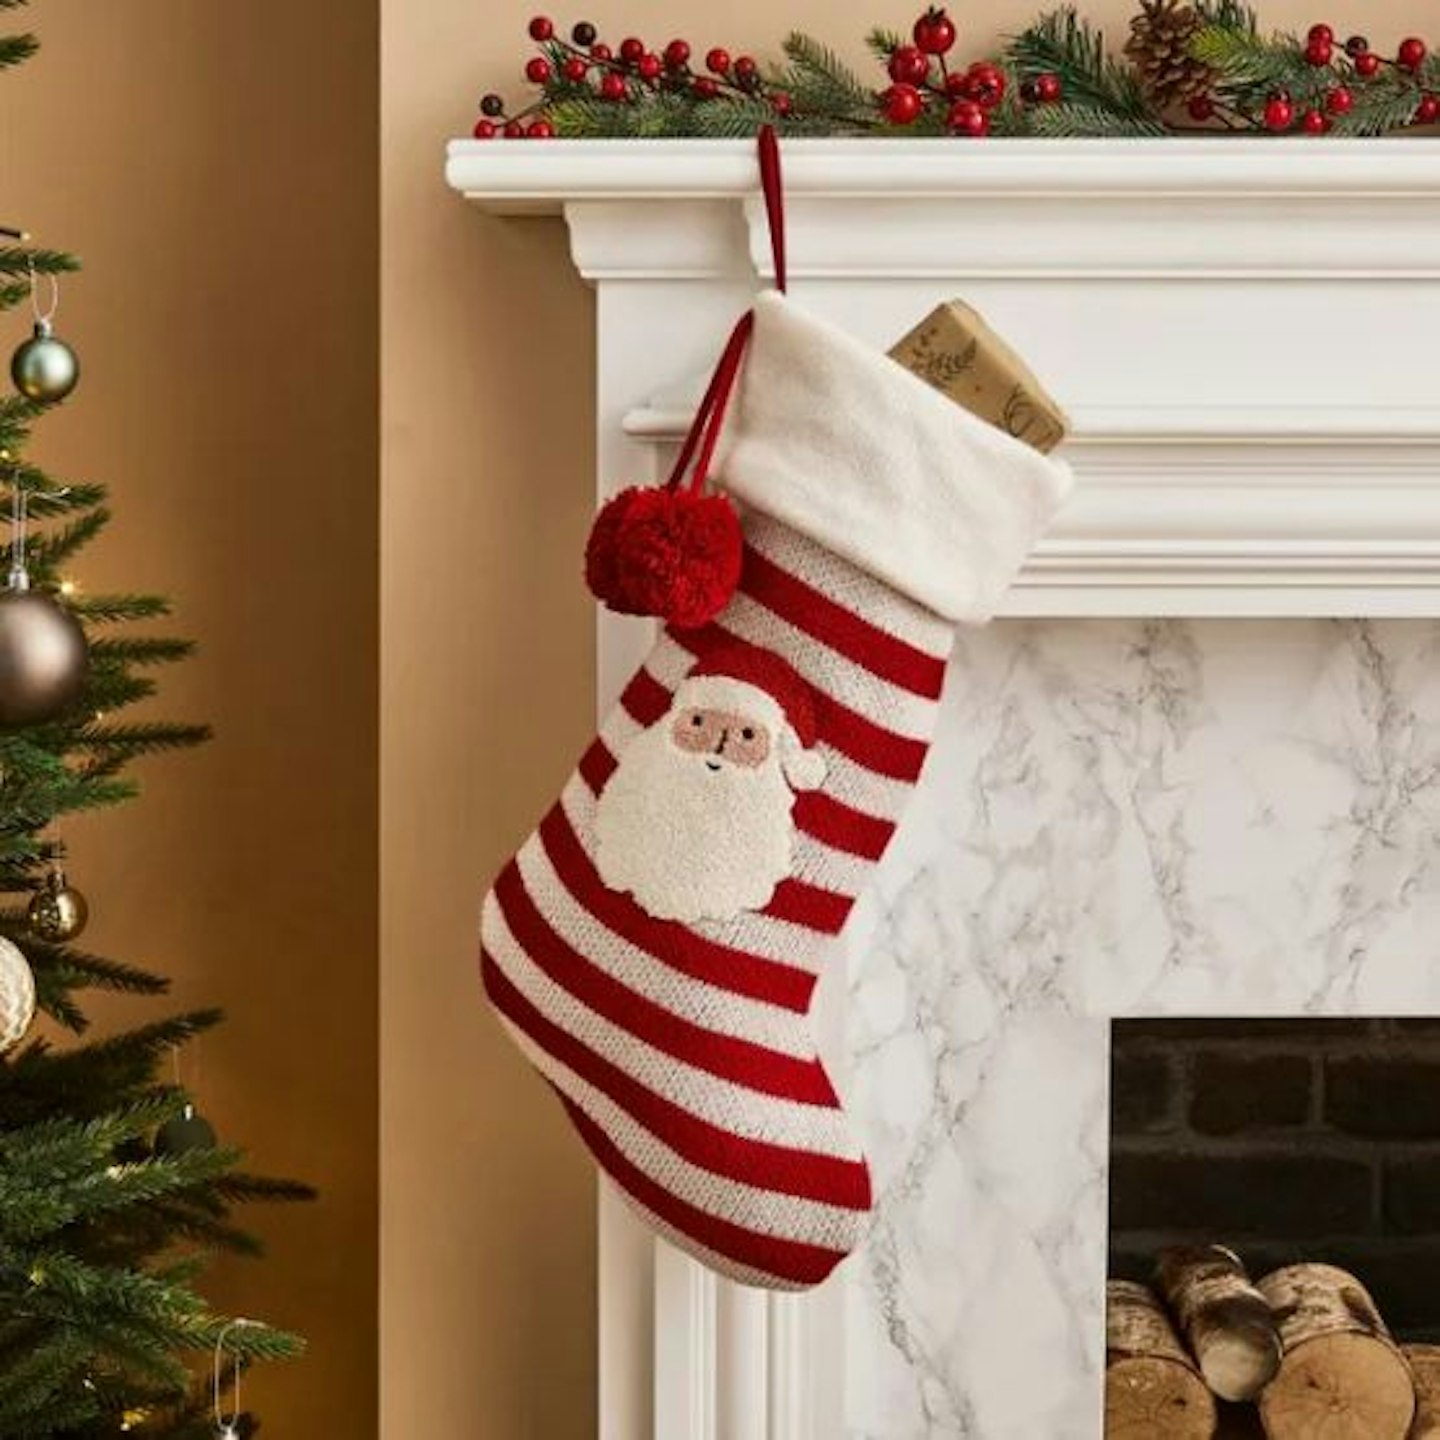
(1188, 67)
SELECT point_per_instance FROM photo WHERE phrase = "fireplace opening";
(1305, 1151)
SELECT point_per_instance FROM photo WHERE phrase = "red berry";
(541, 28)
(649, 66)
(1201, 107)
(902, 104)
(575, 69)
(631, 49)
(717, 61)
(1321, 35)
(781, 103)
(1319, 52)
(677, 52)
(537, 71)
(706, 88)
(1279, 114)
(613, 86)
(540, 130)
(966, 117)
(1367, 64)
(601, 51)
(1428, 110)
(908, 66)
(934, 33)
(985, 84)
(484, 129)
(514, 129)
(1412, 53)
(1048, 88)
(955, 83)
(1339, 101)
(1314, 122)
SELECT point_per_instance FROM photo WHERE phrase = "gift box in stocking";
(653, 947)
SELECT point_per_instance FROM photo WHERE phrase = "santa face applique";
(696, 823)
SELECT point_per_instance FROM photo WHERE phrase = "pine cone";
(1159, 47)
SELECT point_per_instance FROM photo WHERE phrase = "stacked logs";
(1301, 1354)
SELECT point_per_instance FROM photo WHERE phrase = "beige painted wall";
(487, 1255)
(223, 200)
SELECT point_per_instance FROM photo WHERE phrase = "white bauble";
(17, 995)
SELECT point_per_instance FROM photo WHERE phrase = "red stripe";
(895, 756)
(803, 1173)
(810, 906)
(596, 766)
(842, 630)
(838, 825)
(668, 941)
(645, 699)
(789, 1260)
(742, 1061)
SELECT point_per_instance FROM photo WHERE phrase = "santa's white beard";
(690, 842)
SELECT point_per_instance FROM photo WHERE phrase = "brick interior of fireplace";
(1287, 1141)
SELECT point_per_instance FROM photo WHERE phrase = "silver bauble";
(43, 658)
(45, 369)
(58, 911)
(17, 995)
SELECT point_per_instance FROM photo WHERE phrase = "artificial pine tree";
(102, 1237)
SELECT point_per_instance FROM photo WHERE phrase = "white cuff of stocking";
(848, 447)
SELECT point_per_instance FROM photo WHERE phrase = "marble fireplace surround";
(1194, 770)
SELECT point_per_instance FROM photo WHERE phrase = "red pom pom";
(665, 553)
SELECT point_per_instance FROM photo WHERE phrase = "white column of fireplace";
(1191, 773)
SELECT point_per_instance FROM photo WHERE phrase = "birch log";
(1425, 1367)
(1152, 1387)
(1342, 1376)
(1224, 1318)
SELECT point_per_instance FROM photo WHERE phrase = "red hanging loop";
(774, 191)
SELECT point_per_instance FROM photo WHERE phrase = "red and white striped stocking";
(654, 946)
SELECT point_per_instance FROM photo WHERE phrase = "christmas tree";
(112, 1190)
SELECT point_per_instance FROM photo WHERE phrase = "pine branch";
(21, 259)
(884, 43)
(1062, 44)
(1228, 14)
(16, 50)
(818, 79)
(1380, 107)
(1064, 119)
(1252, 66)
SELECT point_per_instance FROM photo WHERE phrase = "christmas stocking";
(654, 946)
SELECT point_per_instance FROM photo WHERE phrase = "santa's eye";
(697, 721)
(747, 733)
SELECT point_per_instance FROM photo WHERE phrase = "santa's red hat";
(710, 683)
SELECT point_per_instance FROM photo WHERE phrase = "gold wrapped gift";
(954, 350)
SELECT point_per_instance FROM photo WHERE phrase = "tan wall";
(487, 1259)
(223, 202)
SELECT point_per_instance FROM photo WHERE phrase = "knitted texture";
(684, 1051)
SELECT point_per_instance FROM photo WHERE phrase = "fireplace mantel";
(1244, 333)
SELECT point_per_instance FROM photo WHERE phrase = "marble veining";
(1118, 818)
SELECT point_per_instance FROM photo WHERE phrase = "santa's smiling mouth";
(712, 764)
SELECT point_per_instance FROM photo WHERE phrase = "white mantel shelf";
(1246, 335)
(1244, 448)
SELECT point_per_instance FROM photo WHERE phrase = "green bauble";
(44, 369)
(185, 1133)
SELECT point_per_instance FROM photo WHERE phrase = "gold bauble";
(58, 911)
(43, 657)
